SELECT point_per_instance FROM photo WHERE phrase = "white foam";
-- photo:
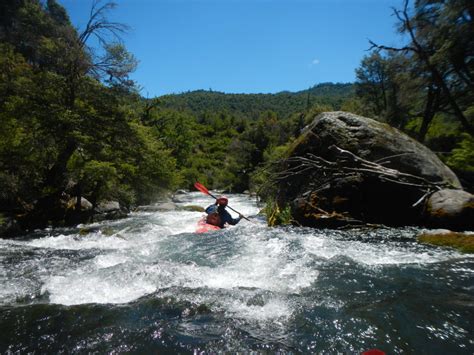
(372, 253)
(248, 271)
(274, 309)
(105, 261)
(262, 264)
(95, 288)
(95, 240)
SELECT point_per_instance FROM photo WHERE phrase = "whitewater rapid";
(120, 261)
(274, 284)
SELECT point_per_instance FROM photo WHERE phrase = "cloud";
(315, 61)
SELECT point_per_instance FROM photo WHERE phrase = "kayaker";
(218, 210)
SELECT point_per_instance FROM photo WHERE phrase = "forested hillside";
(252, 105)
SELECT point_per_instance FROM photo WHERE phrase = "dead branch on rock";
(348, 164)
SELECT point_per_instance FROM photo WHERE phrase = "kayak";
(204, 227)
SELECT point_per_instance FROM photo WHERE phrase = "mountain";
(252, 105)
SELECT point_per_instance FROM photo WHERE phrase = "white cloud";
(315, 61)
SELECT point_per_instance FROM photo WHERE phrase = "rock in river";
(346, 168)
(451, 209)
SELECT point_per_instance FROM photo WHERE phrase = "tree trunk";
(431, 107)
(55, 175)
(78, 197)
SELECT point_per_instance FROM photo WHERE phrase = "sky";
(246, 46)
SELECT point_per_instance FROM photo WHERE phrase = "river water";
(148, 284)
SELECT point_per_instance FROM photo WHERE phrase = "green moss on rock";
(461, 241)
(192, 208)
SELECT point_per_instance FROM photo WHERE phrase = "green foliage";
(383, 88)
(251, 106)
(155, 167)
(462, 157)
(353, 105)
(276, 215)
(432, 75)
(425, 88)
(62, 131)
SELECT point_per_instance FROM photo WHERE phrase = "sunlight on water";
(137, 259)
(373, 254)
(271, 277)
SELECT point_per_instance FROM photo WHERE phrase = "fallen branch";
(347, 164)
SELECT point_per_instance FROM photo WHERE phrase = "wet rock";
(159, 207)
(452, 209)
(85, 204)
(179, 198)
(192, 208)
(374, 141)
(462, 241)
(9, 227)
(107, 206)
(109, 210)
(73, 216)
(331, 198)
(167, 206)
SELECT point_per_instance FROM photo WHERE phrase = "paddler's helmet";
(222, 200)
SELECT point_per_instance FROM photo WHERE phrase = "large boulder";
(331, 197)
(452, 209)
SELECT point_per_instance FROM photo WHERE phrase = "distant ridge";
(251, 106)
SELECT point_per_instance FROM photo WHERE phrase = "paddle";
(204, 190)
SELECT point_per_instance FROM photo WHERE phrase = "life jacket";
(214, 219)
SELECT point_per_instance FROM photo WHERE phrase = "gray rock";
(85, 204)
(373, 140)
(107, 206)
(179, 198)
(109, 210)
(112, 215)
(159, 207)
(192, 208)
(166, 206)
(451, 209)
(317, 197)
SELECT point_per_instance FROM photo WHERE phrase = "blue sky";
(246, 46)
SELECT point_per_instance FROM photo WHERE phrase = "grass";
(462, 242)
(277, 216)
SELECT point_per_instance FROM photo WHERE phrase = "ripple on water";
(247, 287)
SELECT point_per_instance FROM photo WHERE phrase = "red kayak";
(204, 227)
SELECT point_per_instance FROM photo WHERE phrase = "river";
(149, 284)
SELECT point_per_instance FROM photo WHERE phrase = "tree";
(442, 42)
(70, 122)
(372, 83)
